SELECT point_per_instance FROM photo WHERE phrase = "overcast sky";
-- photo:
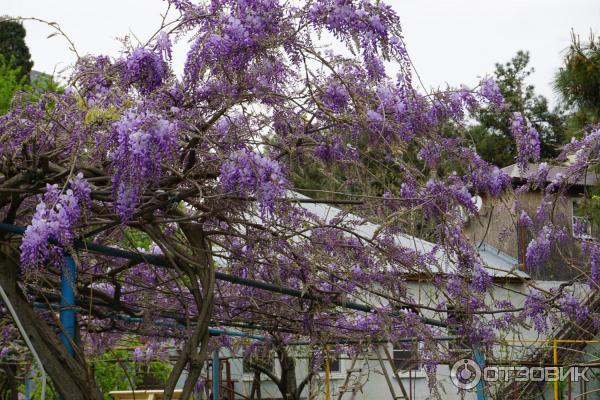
(450, 41)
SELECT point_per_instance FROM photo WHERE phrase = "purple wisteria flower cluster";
(539, 249)
(491, 91)
(364, 21)
(145, 69)
(144, 140)
(592, 251)
(535, 309)
(527, 139)
(164, 46)
(55, 218)
(248, 173)
(572, 307)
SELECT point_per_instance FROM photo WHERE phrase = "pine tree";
(492, 135)
(578, 83)
(13, 47)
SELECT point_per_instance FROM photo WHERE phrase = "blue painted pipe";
(216, 372)
(127, 318)
(480, 360)
(68, 278)
(163, 262)
(28, 385)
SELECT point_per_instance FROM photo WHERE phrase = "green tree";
(13, 47)
(578, 83)
(115, 370)
(11, 81)
(492, 136)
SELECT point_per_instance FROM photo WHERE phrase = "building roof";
(503, 264)
(497, 263)
(589, 179)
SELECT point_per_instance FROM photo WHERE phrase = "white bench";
(142, 394)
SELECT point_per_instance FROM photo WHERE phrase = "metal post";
(36, 357)
(68, 278)
(385, 374)
(390, 359)
(216, 372)
(327, 374)
(480, 360)
(555, 358)
(28, 383)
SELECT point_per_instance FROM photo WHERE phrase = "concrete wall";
(374, 385)
(371, 381)
(496, 225)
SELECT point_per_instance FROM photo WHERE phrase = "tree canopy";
(198, 169)
(578, 83)
(13, 47)
(493, 130)
(10, 83)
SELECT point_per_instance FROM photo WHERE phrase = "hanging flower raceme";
(163, 46)
(528, 141)
(535, 310)
(481, 281)
(374, 27)
(18, 131)
(143, 68)
(335, 96)
(55, 218)
(237, 34)
(540, 248)
(250, 174)
(592, 251)
(144, 140)
(524, 220)
(93, 77)
(491, 91)
(335, 150)
(572, 307)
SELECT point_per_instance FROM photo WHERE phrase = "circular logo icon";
(465, 374)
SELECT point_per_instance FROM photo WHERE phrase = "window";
(406, 357)
(582, 228)
(456, 327)
(335, 364)
(581, 225)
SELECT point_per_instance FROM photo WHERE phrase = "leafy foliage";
(116, 370)
(578, 82)
(15, 88)
(13, 47)
(11, 81)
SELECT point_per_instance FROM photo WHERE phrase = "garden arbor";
(189, 176)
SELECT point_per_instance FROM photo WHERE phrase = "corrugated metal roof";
(589, 179)
(497, 263)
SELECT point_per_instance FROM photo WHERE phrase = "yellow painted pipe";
(555, 356)
(548, 340)
(327, 374)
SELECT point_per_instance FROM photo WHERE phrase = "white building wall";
(375, 385)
